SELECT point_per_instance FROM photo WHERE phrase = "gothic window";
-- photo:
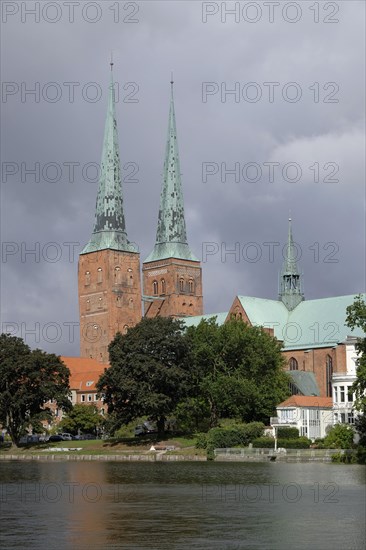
(129, 277)
(100, 275)
(130, 303)
(181, 284)
(293, 364)
(100, 303)
(88, 305)
(328, 375)
(155, 288)
(117, 275)
(87, 278)
(125, 328)
(118, 301)
(191, 286)
(163, 286)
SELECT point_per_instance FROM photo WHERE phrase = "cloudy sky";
(270, 116)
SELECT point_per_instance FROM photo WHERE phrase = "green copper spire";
(110, 228)
(171, 235)
(290, 292)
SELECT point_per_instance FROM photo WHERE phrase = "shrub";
(339, 437)
(361, 455)
(239, 435)
(287, 433)
(210, 454)
(345, 458)
(201, 442)
(264, 443)
(299, 443)
(269, 443)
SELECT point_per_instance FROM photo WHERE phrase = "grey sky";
(312, 132)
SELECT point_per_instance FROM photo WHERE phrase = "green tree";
(148, 373)
(237, 368)
(28, 380)
(83, 418)
(356, 317)
(339, 437)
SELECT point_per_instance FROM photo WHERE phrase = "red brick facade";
(323, 362)
(174, 288)
(109, 299)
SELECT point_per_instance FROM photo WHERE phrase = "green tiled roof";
(313, 323)
(162, 251)
(304, 381)
(195, 320)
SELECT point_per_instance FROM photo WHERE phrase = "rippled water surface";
(203, 505)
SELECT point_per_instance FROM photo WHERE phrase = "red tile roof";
(84, 372)
(307, 401)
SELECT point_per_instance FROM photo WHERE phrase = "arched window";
(125, 328)
(328, 375)
(118, 301)
(181, 284)
(163, 286)
(117, 275)
(100, 275)
(100, 303)
(87, 278)
(129, 277)
(293, 364)
(130, 303)
(88, 305)
(155, 288)
(191, 286)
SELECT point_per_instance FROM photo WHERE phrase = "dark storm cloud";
(222, 214)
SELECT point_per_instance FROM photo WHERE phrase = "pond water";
(184, 505)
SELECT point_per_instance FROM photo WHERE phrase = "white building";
(311, 415)
(343, 398)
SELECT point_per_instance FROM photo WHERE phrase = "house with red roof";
(310, 414)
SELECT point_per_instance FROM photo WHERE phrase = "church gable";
(237, 311)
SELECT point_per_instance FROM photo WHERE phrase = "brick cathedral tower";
(172, 275)
(109, 265)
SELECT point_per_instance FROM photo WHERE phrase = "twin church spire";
(171, 238)
(171, 235)
(110, 226)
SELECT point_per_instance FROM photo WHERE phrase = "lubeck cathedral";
(113, 296)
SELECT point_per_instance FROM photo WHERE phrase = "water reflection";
(77, 505)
